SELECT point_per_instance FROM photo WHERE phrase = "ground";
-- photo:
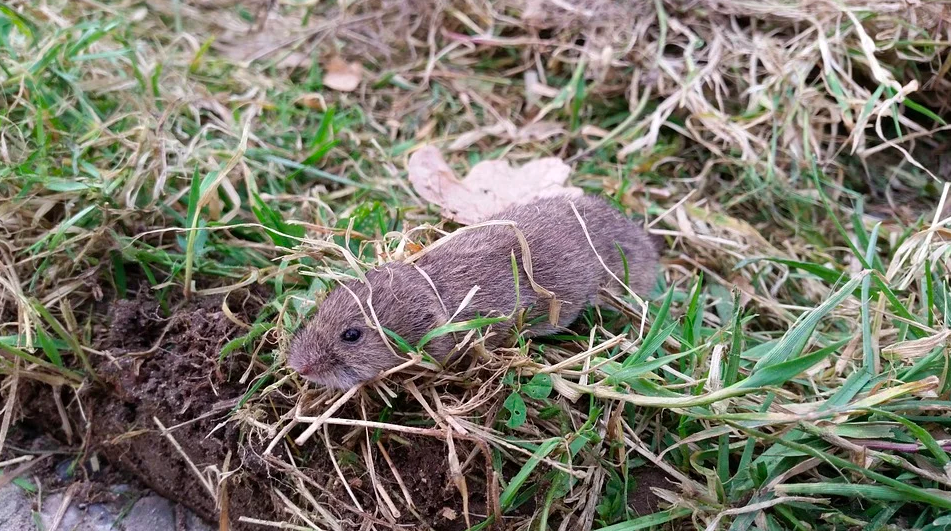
(182, 182)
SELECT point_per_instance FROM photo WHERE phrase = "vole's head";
(342, 346)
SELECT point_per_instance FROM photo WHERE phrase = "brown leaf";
(342, 76)
(490, 187)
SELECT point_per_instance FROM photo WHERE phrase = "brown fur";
(404, 301)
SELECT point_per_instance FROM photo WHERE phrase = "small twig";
(276, 525)
(201, 478)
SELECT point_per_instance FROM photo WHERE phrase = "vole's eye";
(351, 335)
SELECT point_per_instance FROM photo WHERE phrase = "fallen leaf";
(490, 187)
(342, 76)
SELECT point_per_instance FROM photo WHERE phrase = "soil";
(643, 501)
(166, 367)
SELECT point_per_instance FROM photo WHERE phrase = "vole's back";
(562, 258)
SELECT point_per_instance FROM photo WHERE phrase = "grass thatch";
(794, 369)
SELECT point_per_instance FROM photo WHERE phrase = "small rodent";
(342, 347)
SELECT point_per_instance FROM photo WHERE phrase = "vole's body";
(405, 302)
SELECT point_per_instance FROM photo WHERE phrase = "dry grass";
(793, 373)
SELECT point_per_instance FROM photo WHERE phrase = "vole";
(343, 347)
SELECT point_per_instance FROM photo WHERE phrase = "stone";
(151, 513)
(194, 523)
(93, 517)
(16, 509)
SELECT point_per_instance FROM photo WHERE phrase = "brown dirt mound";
(165, 366)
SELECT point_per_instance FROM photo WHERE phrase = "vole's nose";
(305, 370)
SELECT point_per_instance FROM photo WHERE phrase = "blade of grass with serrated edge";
(934, 498)
(796, 338)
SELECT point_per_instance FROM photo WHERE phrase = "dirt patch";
(423, 464)
(642, 500)
(165, 366)
(168, 369)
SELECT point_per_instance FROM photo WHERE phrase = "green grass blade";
(796, 338)
(508, 495)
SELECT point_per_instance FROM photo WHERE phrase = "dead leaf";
(916, 348)
(490, 187)
(342, 76)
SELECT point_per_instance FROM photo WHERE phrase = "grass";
(794, 369)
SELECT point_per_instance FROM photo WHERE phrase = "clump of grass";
(793, 371)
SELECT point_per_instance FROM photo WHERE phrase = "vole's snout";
(303, 353)
(308, 358)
